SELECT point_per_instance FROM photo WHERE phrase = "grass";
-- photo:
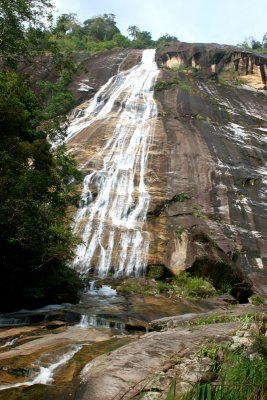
(166, 84)
(237, 377)
(139, 286)
(218, 319)
(260, 345)
(156, 272)
(184, 285)
(256, 300)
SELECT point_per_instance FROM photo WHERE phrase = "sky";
(207, 21)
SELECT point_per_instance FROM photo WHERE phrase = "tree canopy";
(36, 241)
(99, 33)
(254, 44)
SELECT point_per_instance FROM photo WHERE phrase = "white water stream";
(111, 225)
(46, 373)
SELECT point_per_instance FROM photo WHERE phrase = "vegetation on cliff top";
(100, 33)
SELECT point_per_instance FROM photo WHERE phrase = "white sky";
(210, 21)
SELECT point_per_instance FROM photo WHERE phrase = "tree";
(18, 20)
(264, 41)
(36, 241)
(133, 30)
(167, 38)
(143, 40)
(34, 195)
(67, 24)
(101, 28)
(255, 45)
(121, 41)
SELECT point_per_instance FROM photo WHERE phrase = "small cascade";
(111, 225)
(93, 321)
(103, 290)
(46, 373)
(9, 343)
(99, 293)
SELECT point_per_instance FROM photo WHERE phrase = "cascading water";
(111, 225)
(45, 373)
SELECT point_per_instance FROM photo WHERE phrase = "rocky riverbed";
(101, 358)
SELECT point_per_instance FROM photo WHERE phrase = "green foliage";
(121, 41)
(198, 213)
(163, 286)
(242, 378)
(156, 272)
(35, 191)
(237, 376)
(225, 287)
(101, 28)
(138, 285)
(218, 319)
(23, 29)
(166, 39)
(67, 24)
(184, 285)
(96, 34)
(203, 391)
(166, 84)
(253, 44)
(256, 299)
(171, 395)
(179, 231)
(143, 40)
(133, 31)
(181, 197)
(56, 102)
(260, 345)
(215, 351)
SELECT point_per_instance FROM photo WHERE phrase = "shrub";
(163, 85)
(156, 272)
(260, 345)
(188, 286)
(163, 286)
(256, 300)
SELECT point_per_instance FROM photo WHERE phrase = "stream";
(37, 345)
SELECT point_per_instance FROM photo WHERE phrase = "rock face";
(206, 170)
(212, 131)
(97, 69)
(214, 59)
(150, 364)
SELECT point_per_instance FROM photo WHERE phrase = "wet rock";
(213, 150)
(132, 369)
(227, 298)
(55, 324)
(16, 371)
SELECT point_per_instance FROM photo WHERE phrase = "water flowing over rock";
(113, 217)
(196, 192)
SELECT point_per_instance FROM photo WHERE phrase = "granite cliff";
(206, 168)
(213, 124)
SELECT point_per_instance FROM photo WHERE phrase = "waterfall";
(112, 225)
